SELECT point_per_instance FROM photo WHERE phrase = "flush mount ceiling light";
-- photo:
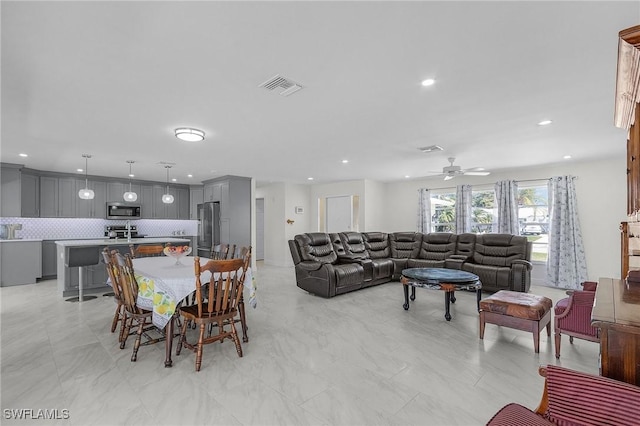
(130, 196)
(190, 135)
(86, 193)
(167, 198)
(545, 123)
(428, 82)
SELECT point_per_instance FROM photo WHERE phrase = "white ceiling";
(113, 79)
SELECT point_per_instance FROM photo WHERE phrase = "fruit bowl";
(178, 252)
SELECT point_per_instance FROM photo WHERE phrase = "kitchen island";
(95, 276)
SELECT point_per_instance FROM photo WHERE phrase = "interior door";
(339, 215)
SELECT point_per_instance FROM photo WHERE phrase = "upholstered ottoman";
(522, 311)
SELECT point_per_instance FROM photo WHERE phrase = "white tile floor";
(356, 359)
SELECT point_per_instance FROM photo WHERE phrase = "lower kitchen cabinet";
(20, 262)
(49, 261)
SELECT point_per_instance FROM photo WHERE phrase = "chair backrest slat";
(129, 283)
(225, 286)
(146, 250)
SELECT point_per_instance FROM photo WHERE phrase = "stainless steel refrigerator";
(208, 227)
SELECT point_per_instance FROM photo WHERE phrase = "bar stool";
(81, 257)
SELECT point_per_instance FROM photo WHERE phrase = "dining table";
(164, 282)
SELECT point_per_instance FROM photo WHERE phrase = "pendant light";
(86, 193)
(130, 196)
(167, 198)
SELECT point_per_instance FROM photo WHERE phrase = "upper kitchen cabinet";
(57, 196)
(30, 194)
(179, 209)
(10, 195)
(95, 208)
(115, 191)
(20, 192)
(196, 196)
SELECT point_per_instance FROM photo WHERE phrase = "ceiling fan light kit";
(451, 171)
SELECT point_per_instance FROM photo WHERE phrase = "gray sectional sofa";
(328, 264)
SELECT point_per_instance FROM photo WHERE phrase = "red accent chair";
(575, 398)
(573, 316)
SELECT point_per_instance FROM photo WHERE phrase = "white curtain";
(424, 211)
(506, 207)
(567, 266)
(463, 209)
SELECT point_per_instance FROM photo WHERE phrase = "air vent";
(281, 84)
(431, 148)
(166, 163)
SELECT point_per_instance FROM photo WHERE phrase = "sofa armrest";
(309, 265)
(524, 263)
(351, 258)
(455, 261)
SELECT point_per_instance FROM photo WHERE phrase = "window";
(482, 204)
(443, 212)
(533, 217)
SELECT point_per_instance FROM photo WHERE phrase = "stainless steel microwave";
(123, 211)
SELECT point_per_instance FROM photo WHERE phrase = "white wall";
(354, 187)
(375, 199)
(280, 201)
(600, 190)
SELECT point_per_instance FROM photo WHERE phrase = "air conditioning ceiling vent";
(283, 85)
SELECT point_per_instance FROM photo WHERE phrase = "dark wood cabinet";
(616, 312)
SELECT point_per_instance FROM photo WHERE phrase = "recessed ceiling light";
(174, 180)
(428, 82)
(345, 161)
(189, 175)
(566, 157)
(80, 170)
(309, 178)
(23, 154)
(407, 177)
(545, 122)
(188, 134)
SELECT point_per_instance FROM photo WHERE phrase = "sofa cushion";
(353, 243)
(382, 268)
(405, 245)
(499, 249)
(516, 414)
(494, 277)
(437, 246)
(349, 275)
(425, 263)
(377, 244)
(316, 247)
(466, 244)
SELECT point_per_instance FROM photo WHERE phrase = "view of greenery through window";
(533, 215)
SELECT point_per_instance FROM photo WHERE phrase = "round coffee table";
(448, 280)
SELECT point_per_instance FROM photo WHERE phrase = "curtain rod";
(518, 181)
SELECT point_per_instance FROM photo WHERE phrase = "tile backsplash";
(71, 228)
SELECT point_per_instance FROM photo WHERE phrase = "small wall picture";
(299, 210)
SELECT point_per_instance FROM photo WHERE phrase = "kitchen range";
(121, 231)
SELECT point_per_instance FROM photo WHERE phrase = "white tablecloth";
(162, 284)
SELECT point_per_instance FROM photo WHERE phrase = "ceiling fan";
(451, 171)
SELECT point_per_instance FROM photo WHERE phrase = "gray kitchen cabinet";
(30, 194)
(145, 198)
(49, 260)
(115, 191)
(20, 262)
(57, 196)
(95, 208)
(234, 195)
(196, 196)
(10, 191)
(159, 209)
(184, 197)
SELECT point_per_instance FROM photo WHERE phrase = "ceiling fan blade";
(477, 173)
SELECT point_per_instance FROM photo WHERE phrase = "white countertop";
(21, 240)
(119, 241)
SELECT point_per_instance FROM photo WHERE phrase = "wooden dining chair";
(223, 251)
(218, 306)
(245, 254)
(146, 250)
(111, 266)
(135, 316)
